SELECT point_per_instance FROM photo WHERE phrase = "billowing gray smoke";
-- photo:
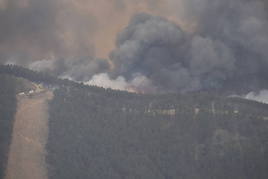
(173, 60)
(79, 69)
(228, 48)
(225, 45)
(153, 47)
(49, 35)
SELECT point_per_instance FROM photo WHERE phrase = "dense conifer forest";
(7, 112)
(103, 133)
(109, 135)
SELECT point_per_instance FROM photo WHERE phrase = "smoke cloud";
(35, 29)
(175, 46)
(138, 84)
(65, 37)
(79, 69)
(261, 96)
(227, 49)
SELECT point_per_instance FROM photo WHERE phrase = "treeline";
(30, 75)
(41, 77)
(48, 79)
(109, 135)
(7, 112)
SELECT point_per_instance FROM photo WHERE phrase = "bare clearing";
(27, 151)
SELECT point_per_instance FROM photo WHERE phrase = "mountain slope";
(110, 135)
(99, 133)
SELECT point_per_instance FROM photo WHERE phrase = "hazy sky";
(165, 45)
(45, 28)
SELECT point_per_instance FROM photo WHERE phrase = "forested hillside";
(107, 134)
(39, 77)
(103, 133)
(7, 112)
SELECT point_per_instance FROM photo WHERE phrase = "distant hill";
(103, 133)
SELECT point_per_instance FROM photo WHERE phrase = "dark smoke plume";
(196, 45)
(228, 48)
(60, 36)
(49, 35)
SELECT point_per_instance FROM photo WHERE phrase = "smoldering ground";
(194, 45)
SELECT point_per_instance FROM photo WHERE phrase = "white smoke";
(261, 96)
(42, 65)
(103, 80)
(77, 69)
(138, 84)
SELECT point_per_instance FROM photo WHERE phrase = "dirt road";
(26, 158)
